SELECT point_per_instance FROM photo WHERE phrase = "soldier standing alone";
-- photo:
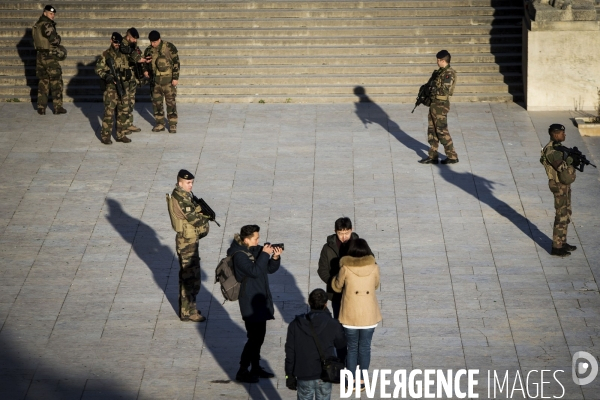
(111, 95)
(165, 76)
(47, 68)
(561, 174)
(191, 226)
(442, 83)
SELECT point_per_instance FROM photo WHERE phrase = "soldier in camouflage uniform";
(191, 226)
(561, 174)
(111, 96)
(136, 64)
(164, 66)
(47, 68)
(442, 83)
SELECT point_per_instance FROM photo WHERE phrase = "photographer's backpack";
(225, 276)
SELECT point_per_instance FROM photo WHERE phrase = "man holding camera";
(561, 174)
(252, 264)
(191, 225)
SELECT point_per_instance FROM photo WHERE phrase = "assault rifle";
(424, 95)
(206, 210)
(118, 82)
(579, 159)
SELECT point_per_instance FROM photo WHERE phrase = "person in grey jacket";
(252, 264)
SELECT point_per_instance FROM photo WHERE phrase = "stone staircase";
(283, 51)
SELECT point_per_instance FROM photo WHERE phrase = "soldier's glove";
(109, 78)
(125, 49)
(569, 160)
(291, 382)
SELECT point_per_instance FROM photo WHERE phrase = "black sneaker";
(246, 376)
(261, 372)
(449, 161)
(562, 252)
(429, 161)
(569, 247)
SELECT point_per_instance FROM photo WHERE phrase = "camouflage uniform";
(194, 227)
(437, 130)
(111, 97)
(164, 69)
(134, 58)
(47, 68)
(554, 162)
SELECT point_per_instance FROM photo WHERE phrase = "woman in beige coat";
(358, 280)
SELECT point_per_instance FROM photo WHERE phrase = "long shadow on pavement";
(477, 186)
(85, 96)
(222, 336)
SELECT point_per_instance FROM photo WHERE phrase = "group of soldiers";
(122, 68)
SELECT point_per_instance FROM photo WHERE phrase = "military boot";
(124, 139)
(428, 160)
(194, 318)
(569, 247)
(449, 161)
(106, 141)
(41, 111)
(172, 128)
(132, 129)
(158, 128)
(562, 252)
(60, 110)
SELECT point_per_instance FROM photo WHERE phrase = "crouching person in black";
(252, 264)
(302, 360)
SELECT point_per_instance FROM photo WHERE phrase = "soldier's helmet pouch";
(567, 175)
(162, 64)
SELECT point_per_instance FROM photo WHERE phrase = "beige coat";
(358, 280)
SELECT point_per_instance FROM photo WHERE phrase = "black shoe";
(449, 161)
(123, 139)
(562, 252)
(60, 110)
(429, 161)
(41, 111)
(261, 372)
(246, 376)
(569, 247)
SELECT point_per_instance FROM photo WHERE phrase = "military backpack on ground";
(225, 276)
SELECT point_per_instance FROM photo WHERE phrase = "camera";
(280, 245)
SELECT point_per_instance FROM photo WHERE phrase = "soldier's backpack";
(225, 276)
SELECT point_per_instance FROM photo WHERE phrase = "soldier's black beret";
(441, 54)
(153, 36)
(556, 128)
(133, 32)
(116, 37)
(50, 8)
(185, 174)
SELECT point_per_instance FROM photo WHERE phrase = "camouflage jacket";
(164, 51)
(122, 64)
(192, 212)
(443, 84)
(136, 53)
(44, 34)
(554, 160)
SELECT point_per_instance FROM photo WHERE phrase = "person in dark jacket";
(302, 359)
(329, 261)
(252, 264)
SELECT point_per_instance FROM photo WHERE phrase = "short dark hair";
(247, 231)
(317, 299)
(343, 224)
(359, 248)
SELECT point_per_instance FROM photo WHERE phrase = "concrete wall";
(561, 65)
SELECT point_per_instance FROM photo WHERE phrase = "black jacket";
(301, 354)
(329, 263)
(256, 302)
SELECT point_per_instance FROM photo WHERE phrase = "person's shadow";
(222, 336)
(84, 95)
(477, 186)
(370, 112)
(27, 54)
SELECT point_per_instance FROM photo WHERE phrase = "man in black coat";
(329, 261)
(252, 264)
(302, 359)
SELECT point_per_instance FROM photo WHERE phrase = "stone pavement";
(89, 278)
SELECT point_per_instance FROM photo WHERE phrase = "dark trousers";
(255, 332)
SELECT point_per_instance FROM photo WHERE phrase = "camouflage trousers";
(123, 109)
(189, 274)
(437, 129)
(562, 205)
(131, 92)
(166, 93)
(49, 72)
